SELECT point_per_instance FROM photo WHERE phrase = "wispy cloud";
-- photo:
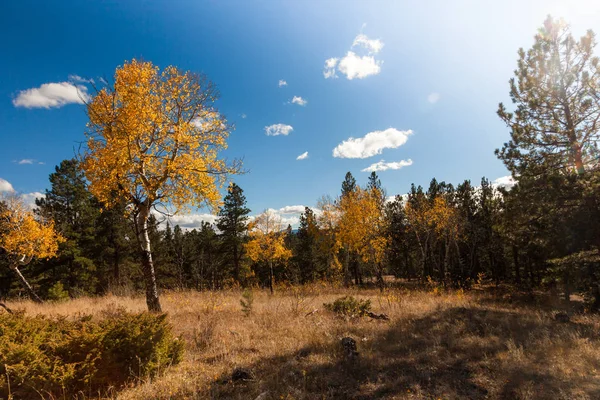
(383, 166)
(26, 161)
(52, 95)
(374, 46)
(244, 116)
(353, 65)
(329, 69)
(371, 144)
(278, 129)
(302, 156)
(79, 79)
(299, 100)
(433, 98)
(282, 83)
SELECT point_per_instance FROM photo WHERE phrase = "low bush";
(348, 306)
(57, 292)
(61, 358)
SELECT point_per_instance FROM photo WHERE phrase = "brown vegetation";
(482, 344)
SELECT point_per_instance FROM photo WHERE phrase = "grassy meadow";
(487, 343)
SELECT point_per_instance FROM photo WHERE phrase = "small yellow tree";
(155, 138)
(23, 237)
(267, 242)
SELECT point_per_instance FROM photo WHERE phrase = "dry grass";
(454, 345)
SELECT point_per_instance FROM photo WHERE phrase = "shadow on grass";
(455, 353)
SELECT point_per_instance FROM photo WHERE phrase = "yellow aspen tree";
(363, 227)
(24, 236)
(154, 139)
(267, 242)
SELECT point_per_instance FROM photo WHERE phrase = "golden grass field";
(481, 344)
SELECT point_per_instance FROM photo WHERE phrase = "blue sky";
(436, 68)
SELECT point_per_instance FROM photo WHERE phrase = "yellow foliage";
(439, 217)
(362, 224)
(267, 239)
(156, 137)
(24, 236)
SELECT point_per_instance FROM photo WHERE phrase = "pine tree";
(349, 184)
(75, 211)
(233, 225)
(556, 91)
(307, 246)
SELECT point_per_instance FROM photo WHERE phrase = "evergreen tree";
(553, 152)
(233, 226)
(556, 91)
(349, 184)
(307, 256)
(75, 211)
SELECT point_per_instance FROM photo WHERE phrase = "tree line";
(543, 232)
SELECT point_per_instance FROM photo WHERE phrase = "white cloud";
(26, 161)
(383, 166)
(282, 83)
(243, 116)
(302, 156)
(353, 65)
(374, 46)
(299, 100)
(291, 210)
(52, 95)
(5, 186)
(290, 215)
(191, 221)
(187, 221)
(29, 198)
(329, 69)
(433, 98)
(504, 182)
(371, 144)
(278, 129)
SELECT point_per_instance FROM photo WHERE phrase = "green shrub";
(63, 358)
(247, 301)
(57, 292)
(348, 306)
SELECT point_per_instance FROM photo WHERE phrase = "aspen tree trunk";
(380, 280)
(147, 265)
(347, 278)
(271, 276)
(30, 290)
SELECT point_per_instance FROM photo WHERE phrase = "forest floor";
(482, 344)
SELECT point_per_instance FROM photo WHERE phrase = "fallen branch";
(312, 312)
(6, 308)
(378, 316)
